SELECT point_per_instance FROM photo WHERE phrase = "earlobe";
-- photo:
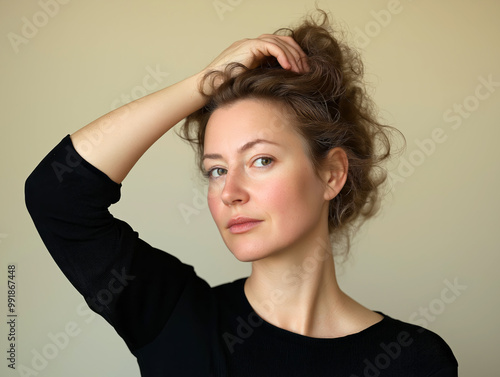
(335, 172)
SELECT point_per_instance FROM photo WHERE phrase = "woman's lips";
(242, 225)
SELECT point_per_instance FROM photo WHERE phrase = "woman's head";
(327, 106)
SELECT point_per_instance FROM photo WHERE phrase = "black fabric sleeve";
(134, 286)
(446, 372)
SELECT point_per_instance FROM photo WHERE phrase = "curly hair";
(330, 107)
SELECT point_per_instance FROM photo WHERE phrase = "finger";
(298, 52)
(294, 55)
(290, 57)
(284, 57)
(280, 52)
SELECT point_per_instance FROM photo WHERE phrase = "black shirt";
(172, 320)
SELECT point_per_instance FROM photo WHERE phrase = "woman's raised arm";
(114, 142)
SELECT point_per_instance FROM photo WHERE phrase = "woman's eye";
(263, 161)
(216, 172)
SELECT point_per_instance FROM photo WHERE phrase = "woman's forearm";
(114, 142)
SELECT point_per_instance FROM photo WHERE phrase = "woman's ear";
(334, 172)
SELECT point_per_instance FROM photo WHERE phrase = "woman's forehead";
(246, 120)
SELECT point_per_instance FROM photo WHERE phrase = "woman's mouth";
(242, 224)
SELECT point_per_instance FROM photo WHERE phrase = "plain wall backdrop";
(434, 70)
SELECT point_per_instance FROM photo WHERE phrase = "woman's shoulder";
(407, 333)
(416, 346)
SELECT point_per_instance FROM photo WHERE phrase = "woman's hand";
(250, 53)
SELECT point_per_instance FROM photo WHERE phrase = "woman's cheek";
(212, 203)
(276, 195)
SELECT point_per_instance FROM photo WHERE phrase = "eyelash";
(208, 174)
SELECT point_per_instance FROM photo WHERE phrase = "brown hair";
(330, 107)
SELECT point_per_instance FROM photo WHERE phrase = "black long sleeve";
(102, 257)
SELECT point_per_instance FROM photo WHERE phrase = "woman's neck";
(299, 292)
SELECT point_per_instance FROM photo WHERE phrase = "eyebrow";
(243, 148)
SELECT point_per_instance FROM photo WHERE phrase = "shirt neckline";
(299, 338)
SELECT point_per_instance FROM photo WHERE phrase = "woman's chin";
(248, 253)
(247, 256)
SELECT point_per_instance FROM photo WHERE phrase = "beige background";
(438, 227)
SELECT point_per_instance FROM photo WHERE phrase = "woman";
(290, 146)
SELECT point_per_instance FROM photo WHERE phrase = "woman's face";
(262, 181)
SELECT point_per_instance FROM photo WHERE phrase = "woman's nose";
(234, 190)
